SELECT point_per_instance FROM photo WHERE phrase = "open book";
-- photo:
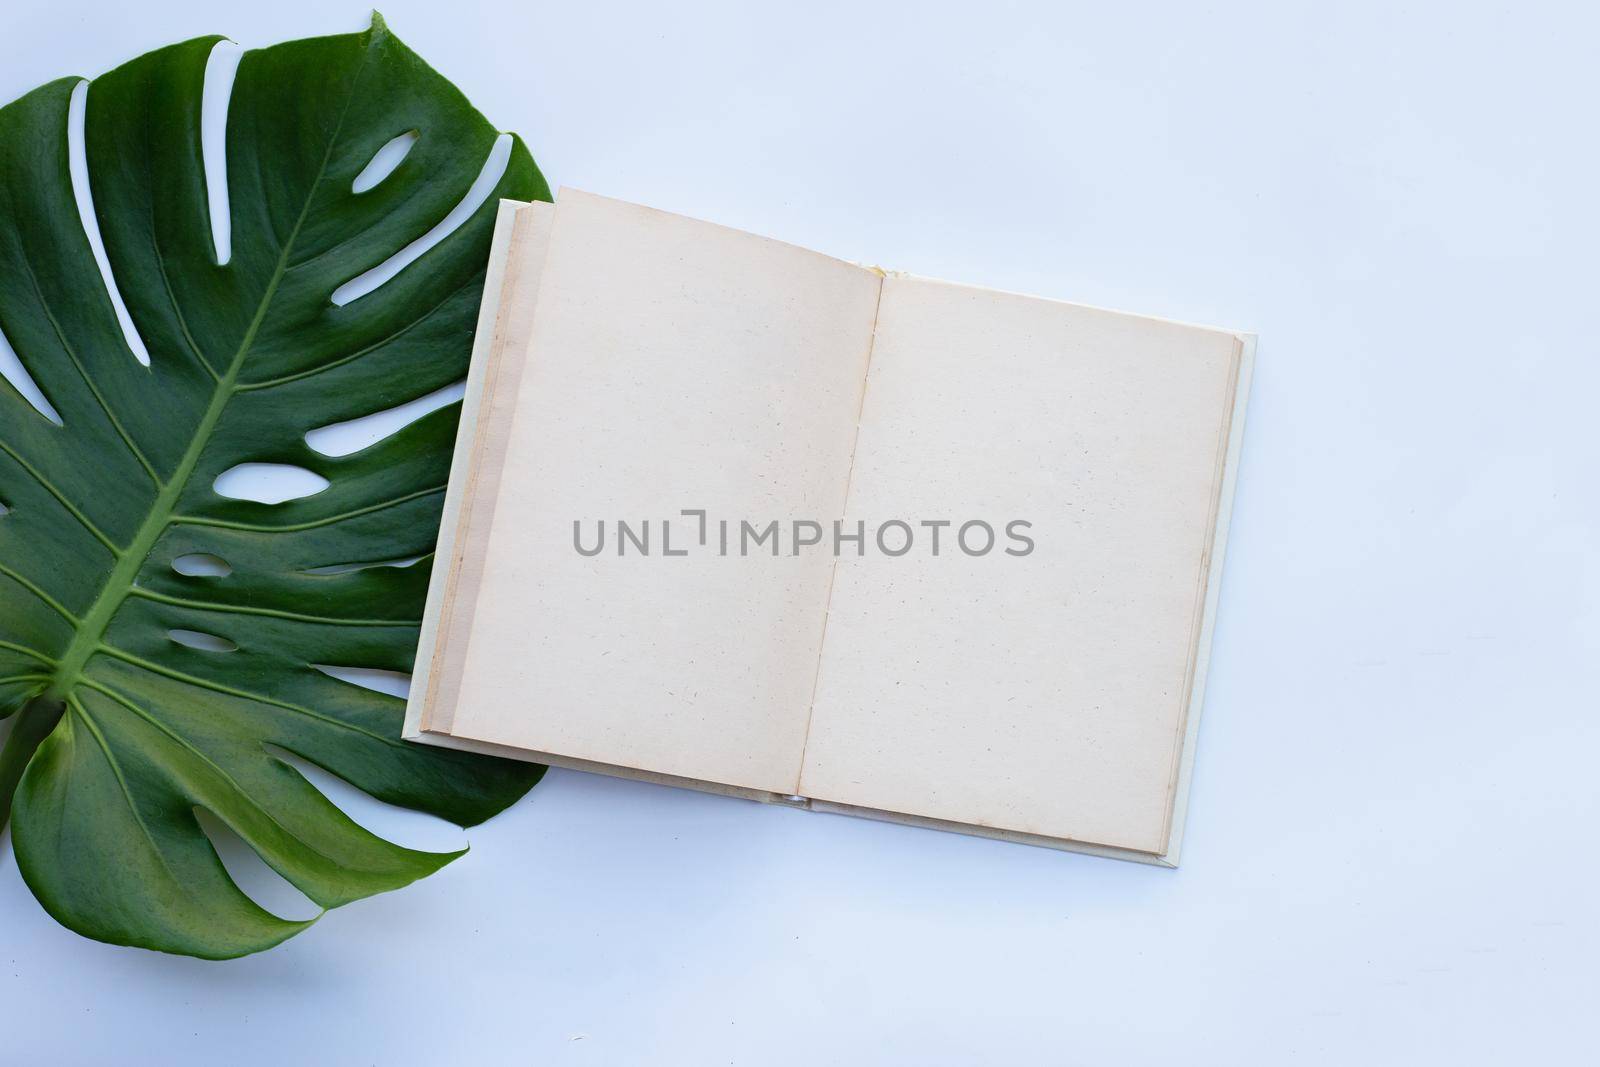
(731, 514)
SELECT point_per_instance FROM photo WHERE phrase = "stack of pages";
(730, 514)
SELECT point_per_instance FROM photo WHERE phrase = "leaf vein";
(275, 613)
(185, 743)
(77, 363)
(241, 694)
(329, 520)
(177, 310)
(342, 360)
(46, 598)
(99, 534)
(32, 653)
(122, 781)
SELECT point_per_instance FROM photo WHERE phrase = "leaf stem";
(37, 718)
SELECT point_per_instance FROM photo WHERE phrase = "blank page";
(673, 365)
(1046, 693)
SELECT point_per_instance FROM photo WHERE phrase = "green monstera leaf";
(127, 725)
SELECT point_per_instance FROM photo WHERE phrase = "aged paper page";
(673, 365)
(1042, 693)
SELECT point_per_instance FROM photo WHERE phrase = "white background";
(1391, 853)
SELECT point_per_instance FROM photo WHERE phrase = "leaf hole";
(268, 483)
(393, 683)
(494, 168)
(202, 565)
(12, 370)
(252, 875)
(384, 162)
(202, 642)
(346, 568)
(404, 827)
(78, 167)
(221, 67)
(344, 438)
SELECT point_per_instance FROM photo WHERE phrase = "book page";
(1039, 685)
(673, 366)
